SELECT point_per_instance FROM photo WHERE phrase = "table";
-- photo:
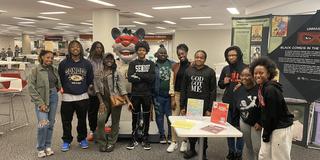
(196, 131)
(6, 79)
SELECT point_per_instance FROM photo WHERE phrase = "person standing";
(44, 84)
(199, 82)
(276, 119)
(76, 75)
(163, 92)
(246, 105)
(111, 83)
(141, 75)
(95, 58)
(178, 73)
(229, 78)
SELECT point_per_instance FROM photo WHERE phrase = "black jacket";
(199, 84)
(275, 113)
(141, 74)
(246, 105)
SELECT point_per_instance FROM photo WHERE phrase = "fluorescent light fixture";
(2, 11)
(233, 10)
(25, 19)
(26, 22)
(27, 25)
(173, 7)
(169, 22)
(143, 14)
(161, 28)
(102, 3)
(208, 17)
(49, 18)
(88, 24)
(141, 23)
(127, 25)
(55, 4)
(211, 24)
(65, 24)
(53, 13)
(6, 25)
(151, 33)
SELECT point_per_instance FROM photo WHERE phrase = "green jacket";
(39, 85)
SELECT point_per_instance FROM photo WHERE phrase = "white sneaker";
(41, 154)
(184, 146)
(49, 152)
(173, 146)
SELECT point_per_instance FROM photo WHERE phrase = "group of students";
(255, 99)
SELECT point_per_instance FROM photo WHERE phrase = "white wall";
(214, 42)
(6, 42)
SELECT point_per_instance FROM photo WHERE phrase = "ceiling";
(83, 9)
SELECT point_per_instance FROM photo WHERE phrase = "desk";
(6, 79)
(196, 131)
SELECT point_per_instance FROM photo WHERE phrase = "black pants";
(145, 103)
(67, 110)
(193, 142)
(93, 112)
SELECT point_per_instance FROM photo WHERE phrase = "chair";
(14, 88)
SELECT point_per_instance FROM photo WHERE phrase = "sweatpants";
(252, 139)
(279, 147)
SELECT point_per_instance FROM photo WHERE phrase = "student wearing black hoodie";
(141, 75)
(229, 78)
(276, 119)
(199, 82)
(76, 75)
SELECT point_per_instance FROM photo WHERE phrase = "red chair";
(14, 88)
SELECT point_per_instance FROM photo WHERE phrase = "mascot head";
(125, 43)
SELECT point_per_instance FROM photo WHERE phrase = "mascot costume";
(124, 48)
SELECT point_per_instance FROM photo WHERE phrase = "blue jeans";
(235, 145)
(46, 121)
(163, 107)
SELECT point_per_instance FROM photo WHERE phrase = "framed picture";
(279, 26)
(256, 33)
(255, 52)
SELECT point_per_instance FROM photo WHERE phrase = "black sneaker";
(102, 148)
(238, 156)
(110, 148)
(131, 145)
(169, 139)
(146, 145)
(163, 140)
(189, 154)
(230, 156)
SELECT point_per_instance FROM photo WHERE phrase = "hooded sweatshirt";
(274, 111)
(199, 84)
(233, 71)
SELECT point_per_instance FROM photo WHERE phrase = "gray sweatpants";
(251, 138)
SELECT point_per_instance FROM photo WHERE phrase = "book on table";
(219, 113)
(195, 108)
(213, 128)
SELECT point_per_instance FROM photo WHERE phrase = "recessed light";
(169, 22)
(160, 27)
(55, 4)
(173, 7)
(143, 14)
(65, 24)
(25, 19)
(3, 11)
(211, 24)
(53, 12)
(151, 33)
(49, 18)
(102, 3)
(127, 26)
(26, 22)
(6, 25)
(233, 10)
(208, 17)
(84, 23)
(141, 23)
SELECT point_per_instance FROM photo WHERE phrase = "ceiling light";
(172, 7)
(143, 14)
(55, 4)
(25, 19)
(49, 18)
(6, 25)
(208, 17)
(160, 27)
(102, 3)
(169, 22)
(141, 23)
(127, 26)
(2, 11)
(65, 24)
(53, 12)
(151, 33)
(26, 22)
(27, 25)
(84, 23)
(233, 10)
(211, 24)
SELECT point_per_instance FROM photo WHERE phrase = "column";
(103, 22)
(26, 44)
